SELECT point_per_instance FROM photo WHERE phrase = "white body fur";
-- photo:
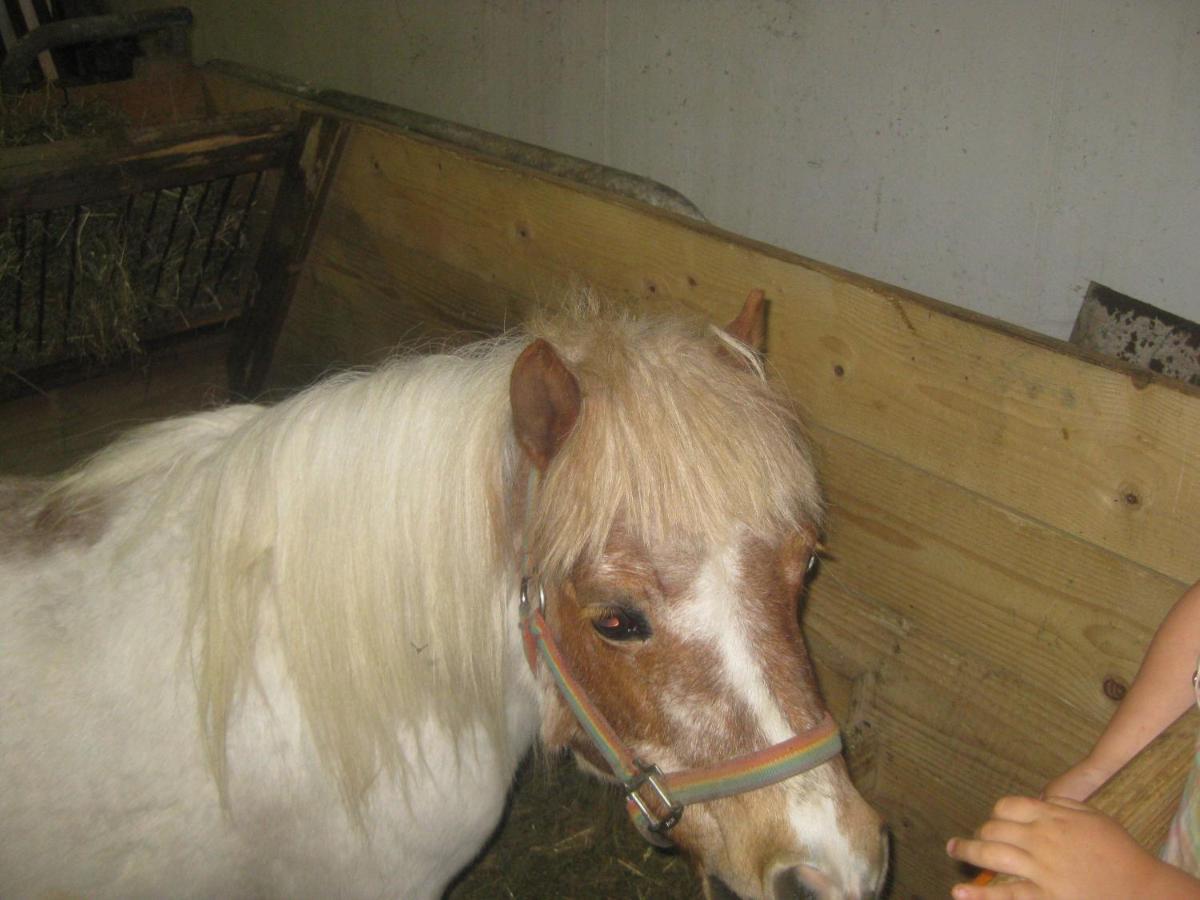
(107, 791)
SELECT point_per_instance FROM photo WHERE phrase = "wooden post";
(302, 190)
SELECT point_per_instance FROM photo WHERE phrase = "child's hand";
(1062, 849)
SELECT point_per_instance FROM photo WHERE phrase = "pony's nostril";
(790, 884)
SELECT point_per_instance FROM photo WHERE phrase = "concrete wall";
(996, 155)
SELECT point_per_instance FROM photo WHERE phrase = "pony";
(299, 650)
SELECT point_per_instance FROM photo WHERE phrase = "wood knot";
(1114, 688)
(838, 370)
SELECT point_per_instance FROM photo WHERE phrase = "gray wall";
(996, 154)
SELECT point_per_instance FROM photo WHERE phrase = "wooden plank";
(93, 170)
(1087, 448)
(241, 87)
(44, 433)
(931, 556)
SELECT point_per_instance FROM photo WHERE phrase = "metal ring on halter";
(525, 595)
(652, 776)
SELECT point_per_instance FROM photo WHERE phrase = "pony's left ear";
(750, 326)
(545, 400)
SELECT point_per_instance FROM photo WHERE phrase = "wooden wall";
(1008, 520)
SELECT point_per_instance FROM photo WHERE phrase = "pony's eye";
(620, 624)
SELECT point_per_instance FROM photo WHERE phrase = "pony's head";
(670, 512)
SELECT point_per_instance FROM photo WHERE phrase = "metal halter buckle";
(652, 776)
(525, 595)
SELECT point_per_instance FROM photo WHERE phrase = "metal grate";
(92, 282)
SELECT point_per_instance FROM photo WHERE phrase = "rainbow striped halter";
(655, 801)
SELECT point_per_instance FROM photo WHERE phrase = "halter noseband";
(644, 783)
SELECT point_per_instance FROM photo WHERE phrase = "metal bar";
(41, 305)
(237, 235)
(8, 34)
(162, 262)
(122, 241)
(20, 229)
(146, 232)
(212, 239)
(72, 263)
(194, 220)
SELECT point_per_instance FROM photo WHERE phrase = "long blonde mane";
(368, 519)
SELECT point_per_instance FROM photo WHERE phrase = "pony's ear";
(545, 400)
(750, 326)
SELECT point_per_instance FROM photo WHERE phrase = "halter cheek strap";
(655, 801)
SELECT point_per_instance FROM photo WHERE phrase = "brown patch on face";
(635, 682)
(632, 681)
(35, 521)
(772, 579)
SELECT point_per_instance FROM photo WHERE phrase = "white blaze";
(714, 614)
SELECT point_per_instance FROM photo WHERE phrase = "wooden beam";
(301, 197)
(89, 171)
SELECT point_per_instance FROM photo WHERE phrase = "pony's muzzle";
(811, 880)
(807, 883)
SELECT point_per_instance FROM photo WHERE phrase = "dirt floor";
(567, 837)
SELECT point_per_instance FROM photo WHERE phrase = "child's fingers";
(1018, 809)
(1068, 803)
(1010, 890)
(1003, 831)
(994, 855)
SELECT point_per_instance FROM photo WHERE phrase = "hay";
(567, 836)
(91, 283)
(94, 282)
(52, 114)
